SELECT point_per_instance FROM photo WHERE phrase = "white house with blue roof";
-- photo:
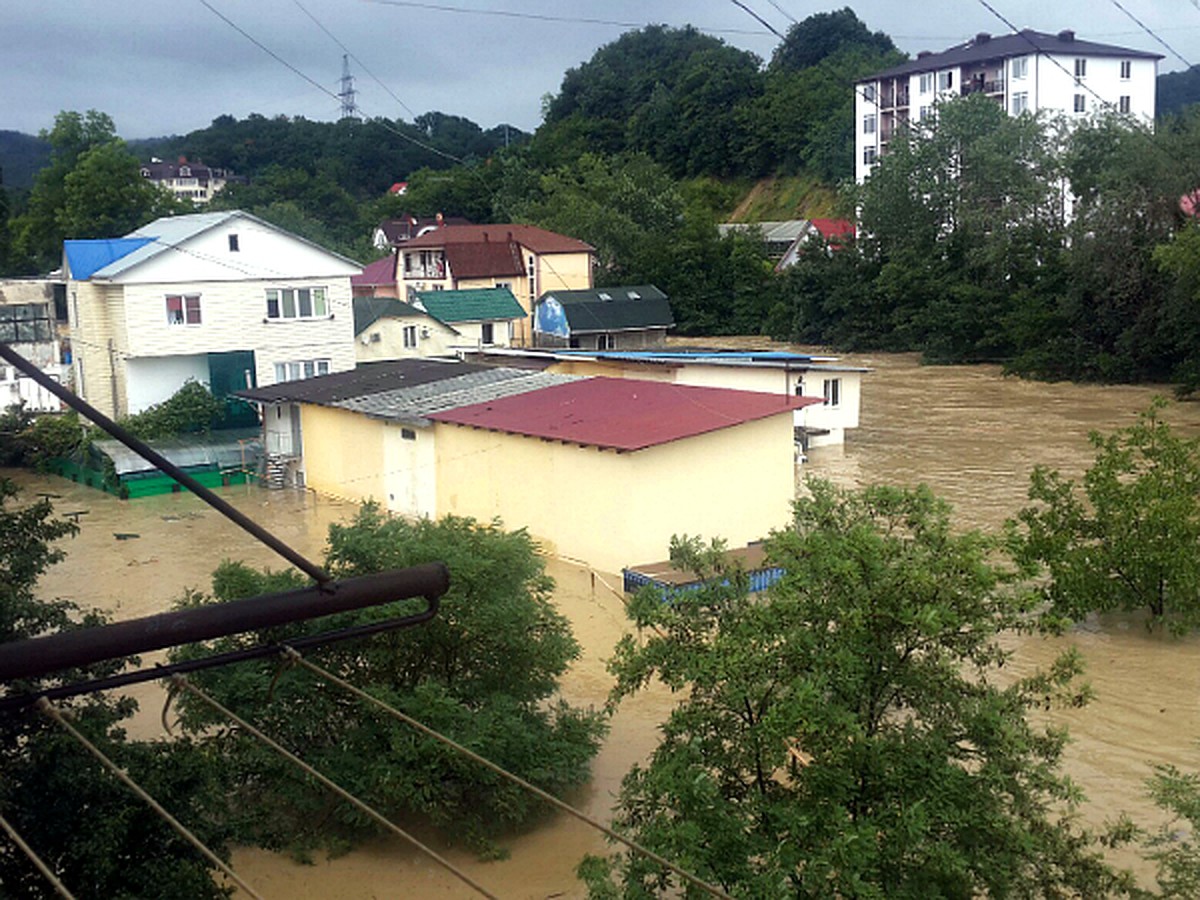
(222, 298)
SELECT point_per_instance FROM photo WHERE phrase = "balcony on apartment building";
(893, 93)
(425, 264)
(982, 81)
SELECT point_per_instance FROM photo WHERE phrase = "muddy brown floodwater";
(969, 433)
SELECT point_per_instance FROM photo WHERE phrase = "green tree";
(1129, 537)
(845, 734)
(105, 195)
(822, 35)
(484, 671)
(98, 837)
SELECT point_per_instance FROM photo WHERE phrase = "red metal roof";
(539, 240)
(382, 271)
(622, 413)
(486, 260)
(830, 229)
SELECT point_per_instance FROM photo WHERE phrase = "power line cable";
(788, 15)
(540, 17)
(45, 870)
(767, 25)
(44, 706)
(350, 53)
(179, 682)
(691, 879)
(1150, 32)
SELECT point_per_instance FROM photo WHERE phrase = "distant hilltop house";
(391, 233)
(786, 239)
(526, 260)
(192, 181)
(222, 298)
(611, 318)
(1028, 71)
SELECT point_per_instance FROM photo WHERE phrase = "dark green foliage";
(1174, 846)
(844, 735)
(33, 440)
(97, 836)
(1128, 538)
(191, 409)
(21, 157)
(484, 671)
(822, 35)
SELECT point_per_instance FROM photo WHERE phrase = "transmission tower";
(346, 94)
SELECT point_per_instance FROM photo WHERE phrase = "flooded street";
(969, 433)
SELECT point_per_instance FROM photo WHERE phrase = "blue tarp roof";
(88, 257)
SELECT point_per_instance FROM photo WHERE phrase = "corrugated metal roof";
(622, 413)
(487, 260)
(416, 404)
(614, 308)
(366, 379)
(382, 271)
(539, 240)
(368, 310)
(231, 448)
(471, 305)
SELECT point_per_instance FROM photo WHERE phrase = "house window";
(1125, 105)
(869, 93)
(532, 272)
(1080, 103)
(832, 391)
(604, 342)
(799, 387)
(26, 323)
(183, 309)
(408, 434)
(1020, 103)
(504, 284)
(233, 243)
(945, 81)
(923, 112)
(296, 303)
(1020, 67)
(869, 156)
(1126, 69)
(869, 124)
(185, 171)
(925, 83)
(410, 336)
(487, 333)
(300, 368)
(1080, 68)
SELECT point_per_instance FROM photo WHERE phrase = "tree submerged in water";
(844, 734)
(484, 672)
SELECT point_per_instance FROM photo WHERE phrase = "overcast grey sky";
(168, 68)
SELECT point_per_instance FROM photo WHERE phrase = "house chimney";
(440, 220)
(982, 38)
(183, 160)
(1066, 35)
(924, 53)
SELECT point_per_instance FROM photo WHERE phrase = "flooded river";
(968, 432)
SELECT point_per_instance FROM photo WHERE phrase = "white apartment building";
(1028, 71)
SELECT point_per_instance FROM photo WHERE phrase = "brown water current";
(969, 433)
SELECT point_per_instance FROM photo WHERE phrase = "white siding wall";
(153, 380)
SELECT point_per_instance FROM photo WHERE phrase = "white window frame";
(1126, 69)
(298, 369)
(945, 80)
(869, 92)
(286, 303)
(869, 123)
(869, 156)
(1020, 102)
(189, 306)
(925, 83)
(831, 390)
(1020, 68)
(410, 337)
(1125, 104)
(1080, 103)
(1080, 68)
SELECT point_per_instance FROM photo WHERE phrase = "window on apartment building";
(233, 238)
(869, 93)
(605, 342)
(504, 284)
(300, 368)
(1020, 102)
(1081, 68)
(1080, 103)
(832, 391)
(1020, 67)
(925, 83)
(410, 336)
(487, 333)
(1126, 69)
(183, 309)
(869, 124)
(945, 81)
(1125, 104)
(869, 156)
(532, 273)
(296, 303)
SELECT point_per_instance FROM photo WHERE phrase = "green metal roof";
(471, 305)
(367, 310)
(614, 308)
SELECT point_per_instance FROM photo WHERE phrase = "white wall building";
(1024, 72)
(224, 299)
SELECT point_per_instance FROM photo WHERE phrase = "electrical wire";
(44, 869)
(45, 707)
(691, 879)
(181, 683)
(1148, 31)
(767, 25)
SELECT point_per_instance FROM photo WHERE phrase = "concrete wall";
(614, 509)
(154, 379)
(384, 339)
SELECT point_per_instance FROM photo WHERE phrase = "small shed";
(617, 318)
